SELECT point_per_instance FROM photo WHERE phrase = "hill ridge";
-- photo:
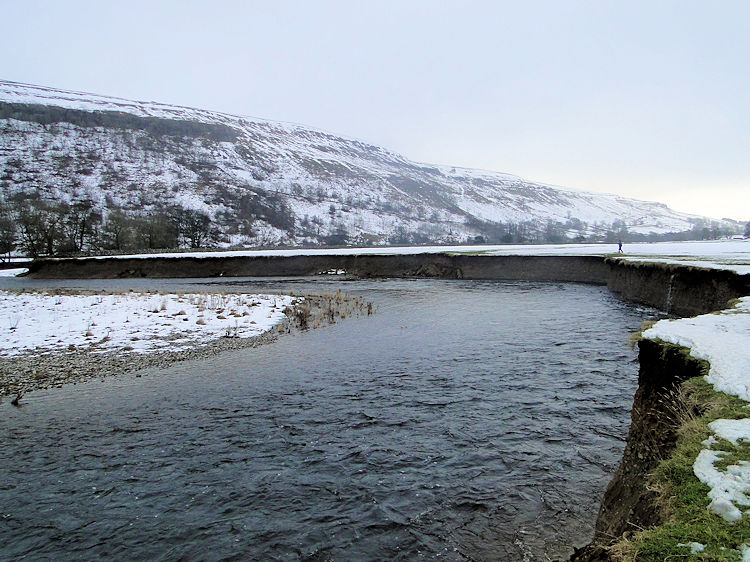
(259, 182)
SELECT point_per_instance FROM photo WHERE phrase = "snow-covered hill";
(264, 183)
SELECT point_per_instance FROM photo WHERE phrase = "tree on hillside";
(554, 232)
(400, 236)
(339, 237)
(747, 230)
(7, 236)
(196, 229)
(118, 232)
(40, 228)
(618, 231)
(193, 228)
(155, 231)
(81, 224)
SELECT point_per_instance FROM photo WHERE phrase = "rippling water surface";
(465, 420)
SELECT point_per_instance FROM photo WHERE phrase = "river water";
(464, 420)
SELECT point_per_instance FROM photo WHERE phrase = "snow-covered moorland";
(263, 183)
(131, 322)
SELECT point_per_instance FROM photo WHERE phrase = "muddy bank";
(584, 269)
(676, 289)
(658, 410)
(679, 290)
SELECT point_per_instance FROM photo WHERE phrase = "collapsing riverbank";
(691, 436)
(659, 408)
(676, 289)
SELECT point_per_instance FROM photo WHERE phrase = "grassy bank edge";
(682, 498)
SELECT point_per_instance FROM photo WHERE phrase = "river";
(465, 420)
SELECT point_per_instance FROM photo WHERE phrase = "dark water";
(464, 421)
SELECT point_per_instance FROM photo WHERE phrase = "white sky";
(647, 99)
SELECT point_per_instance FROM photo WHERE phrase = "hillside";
(227, 180)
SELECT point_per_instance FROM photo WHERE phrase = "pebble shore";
(43, 369)
(39, 371)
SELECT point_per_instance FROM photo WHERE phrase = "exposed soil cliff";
(679, 290)
(583, 269)
(676, 289)
(628, 505)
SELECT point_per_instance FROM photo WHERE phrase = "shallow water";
(464, 420)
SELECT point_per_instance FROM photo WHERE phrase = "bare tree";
(8, 235)
(39, 223)
(193, 227)
(118, 232)
(156, 231)
(81, 224)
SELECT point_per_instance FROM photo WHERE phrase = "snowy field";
(134, 322)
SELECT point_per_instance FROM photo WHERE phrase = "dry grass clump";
(314, 311)
(637, 336)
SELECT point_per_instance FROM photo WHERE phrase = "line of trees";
(575, 230)
(39, 228)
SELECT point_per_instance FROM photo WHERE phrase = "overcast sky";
(645, 99)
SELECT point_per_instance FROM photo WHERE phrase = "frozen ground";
(135, 322)
(721, 339)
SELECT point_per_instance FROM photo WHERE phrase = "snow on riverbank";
(722, 339)
(136, 322)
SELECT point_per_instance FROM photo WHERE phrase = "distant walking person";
(619, 247)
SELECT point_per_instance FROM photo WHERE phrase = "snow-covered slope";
(264, 182)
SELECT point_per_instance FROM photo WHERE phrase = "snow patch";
(695, 547)
(729, 488)
(137, 322)
(13, 272)
(719, 338)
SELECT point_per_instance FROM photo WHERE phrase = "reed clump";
(314, 311)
